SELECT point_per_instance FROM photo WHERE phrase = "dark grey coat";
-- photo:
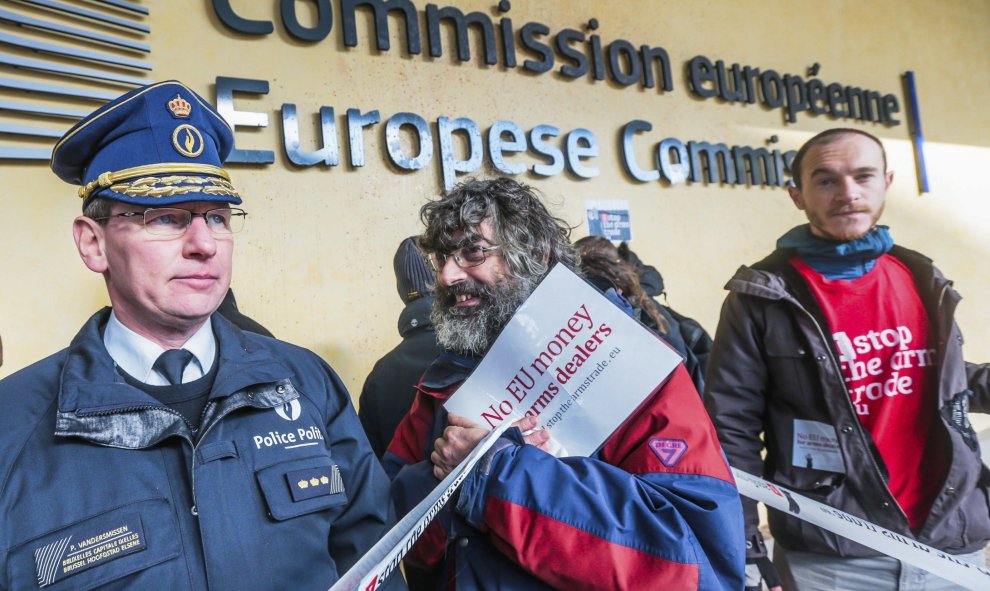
(774, 361)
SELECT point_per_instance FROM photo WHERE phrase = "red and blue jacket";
(654, 508)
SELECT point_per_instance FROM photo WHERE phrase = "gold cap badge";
(189, 144)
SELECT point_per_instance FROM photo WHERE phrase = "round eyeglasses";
(173, 221)
(465, 257)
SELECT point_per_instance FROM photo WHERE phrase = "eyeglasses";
(172, 221)
(465, 257)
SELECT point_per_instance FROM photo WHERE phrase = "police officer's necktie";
(172, 364)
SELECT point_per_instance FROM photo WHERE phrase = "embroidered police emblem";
(180, 107)
(670, 451)
(289, 411)
(187, 141)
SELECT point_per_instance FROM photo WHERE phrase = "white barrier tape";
(873, 536)
(383, 559)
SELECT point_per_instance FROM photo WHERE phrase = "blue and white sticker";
(610, 219)
(92, 544)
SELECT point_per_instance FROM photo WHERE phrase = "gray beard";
(471, 331)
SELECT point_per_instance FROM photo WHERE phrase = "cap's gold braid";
(216, 178)
(166, 186)
(152, 181)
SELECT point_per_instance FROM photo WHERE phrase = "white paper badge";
(816, 447)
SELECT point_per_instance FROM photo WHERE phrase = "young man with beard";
(624, 518)
(841, 350)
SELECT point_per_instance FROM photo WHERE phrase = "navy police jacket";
(101, 486)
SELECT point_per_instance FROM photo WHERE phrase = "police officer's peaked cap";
(156, 145)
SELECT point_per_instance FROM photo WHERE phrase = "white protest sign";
(570, 357)
(868, 534)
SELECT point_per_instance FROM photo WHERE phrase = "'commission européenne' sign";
(461, 145)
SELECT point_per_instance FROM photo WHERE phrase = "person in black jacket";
(391, 386)
(228, 307)
(696, 338)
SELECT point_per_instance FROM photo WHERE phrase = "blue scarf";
(838, 260)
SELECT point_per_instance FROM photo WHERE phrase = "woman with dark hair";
(603, 265)
(596, 265)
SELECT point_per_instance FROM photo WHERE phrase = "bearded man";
(846, 340)
(525, 519)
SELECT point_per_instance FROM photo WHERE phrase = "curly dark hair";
(599, 260)
(531, 239)
(599, 245)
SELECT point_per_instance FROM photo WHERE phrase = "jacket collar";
(760, 283)
(90, 383)
(773, 277)
(415, 316)
(445, 374)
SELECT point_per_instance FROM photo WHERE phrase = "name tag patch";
(91, 545)
(314, 482)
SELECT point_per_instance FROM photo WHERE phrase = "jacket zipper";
(106, 413)
(943, 338)
(195, 446)
(852, 409)
(192, 460)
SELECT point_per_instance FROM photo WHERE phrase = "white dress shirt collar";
(136, 355)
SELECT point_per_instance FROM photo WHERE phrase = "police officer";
(165, 448)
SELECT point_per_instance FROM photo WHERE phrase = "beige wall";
(314, 264)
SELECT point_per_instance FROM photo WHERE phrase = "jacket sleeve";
(368, 513)
(412, 478)
(369, 413)
(735, 394)
(978, 378)
(653, 508)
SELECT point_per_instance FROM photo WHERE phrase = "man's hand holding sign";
(461, 436)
